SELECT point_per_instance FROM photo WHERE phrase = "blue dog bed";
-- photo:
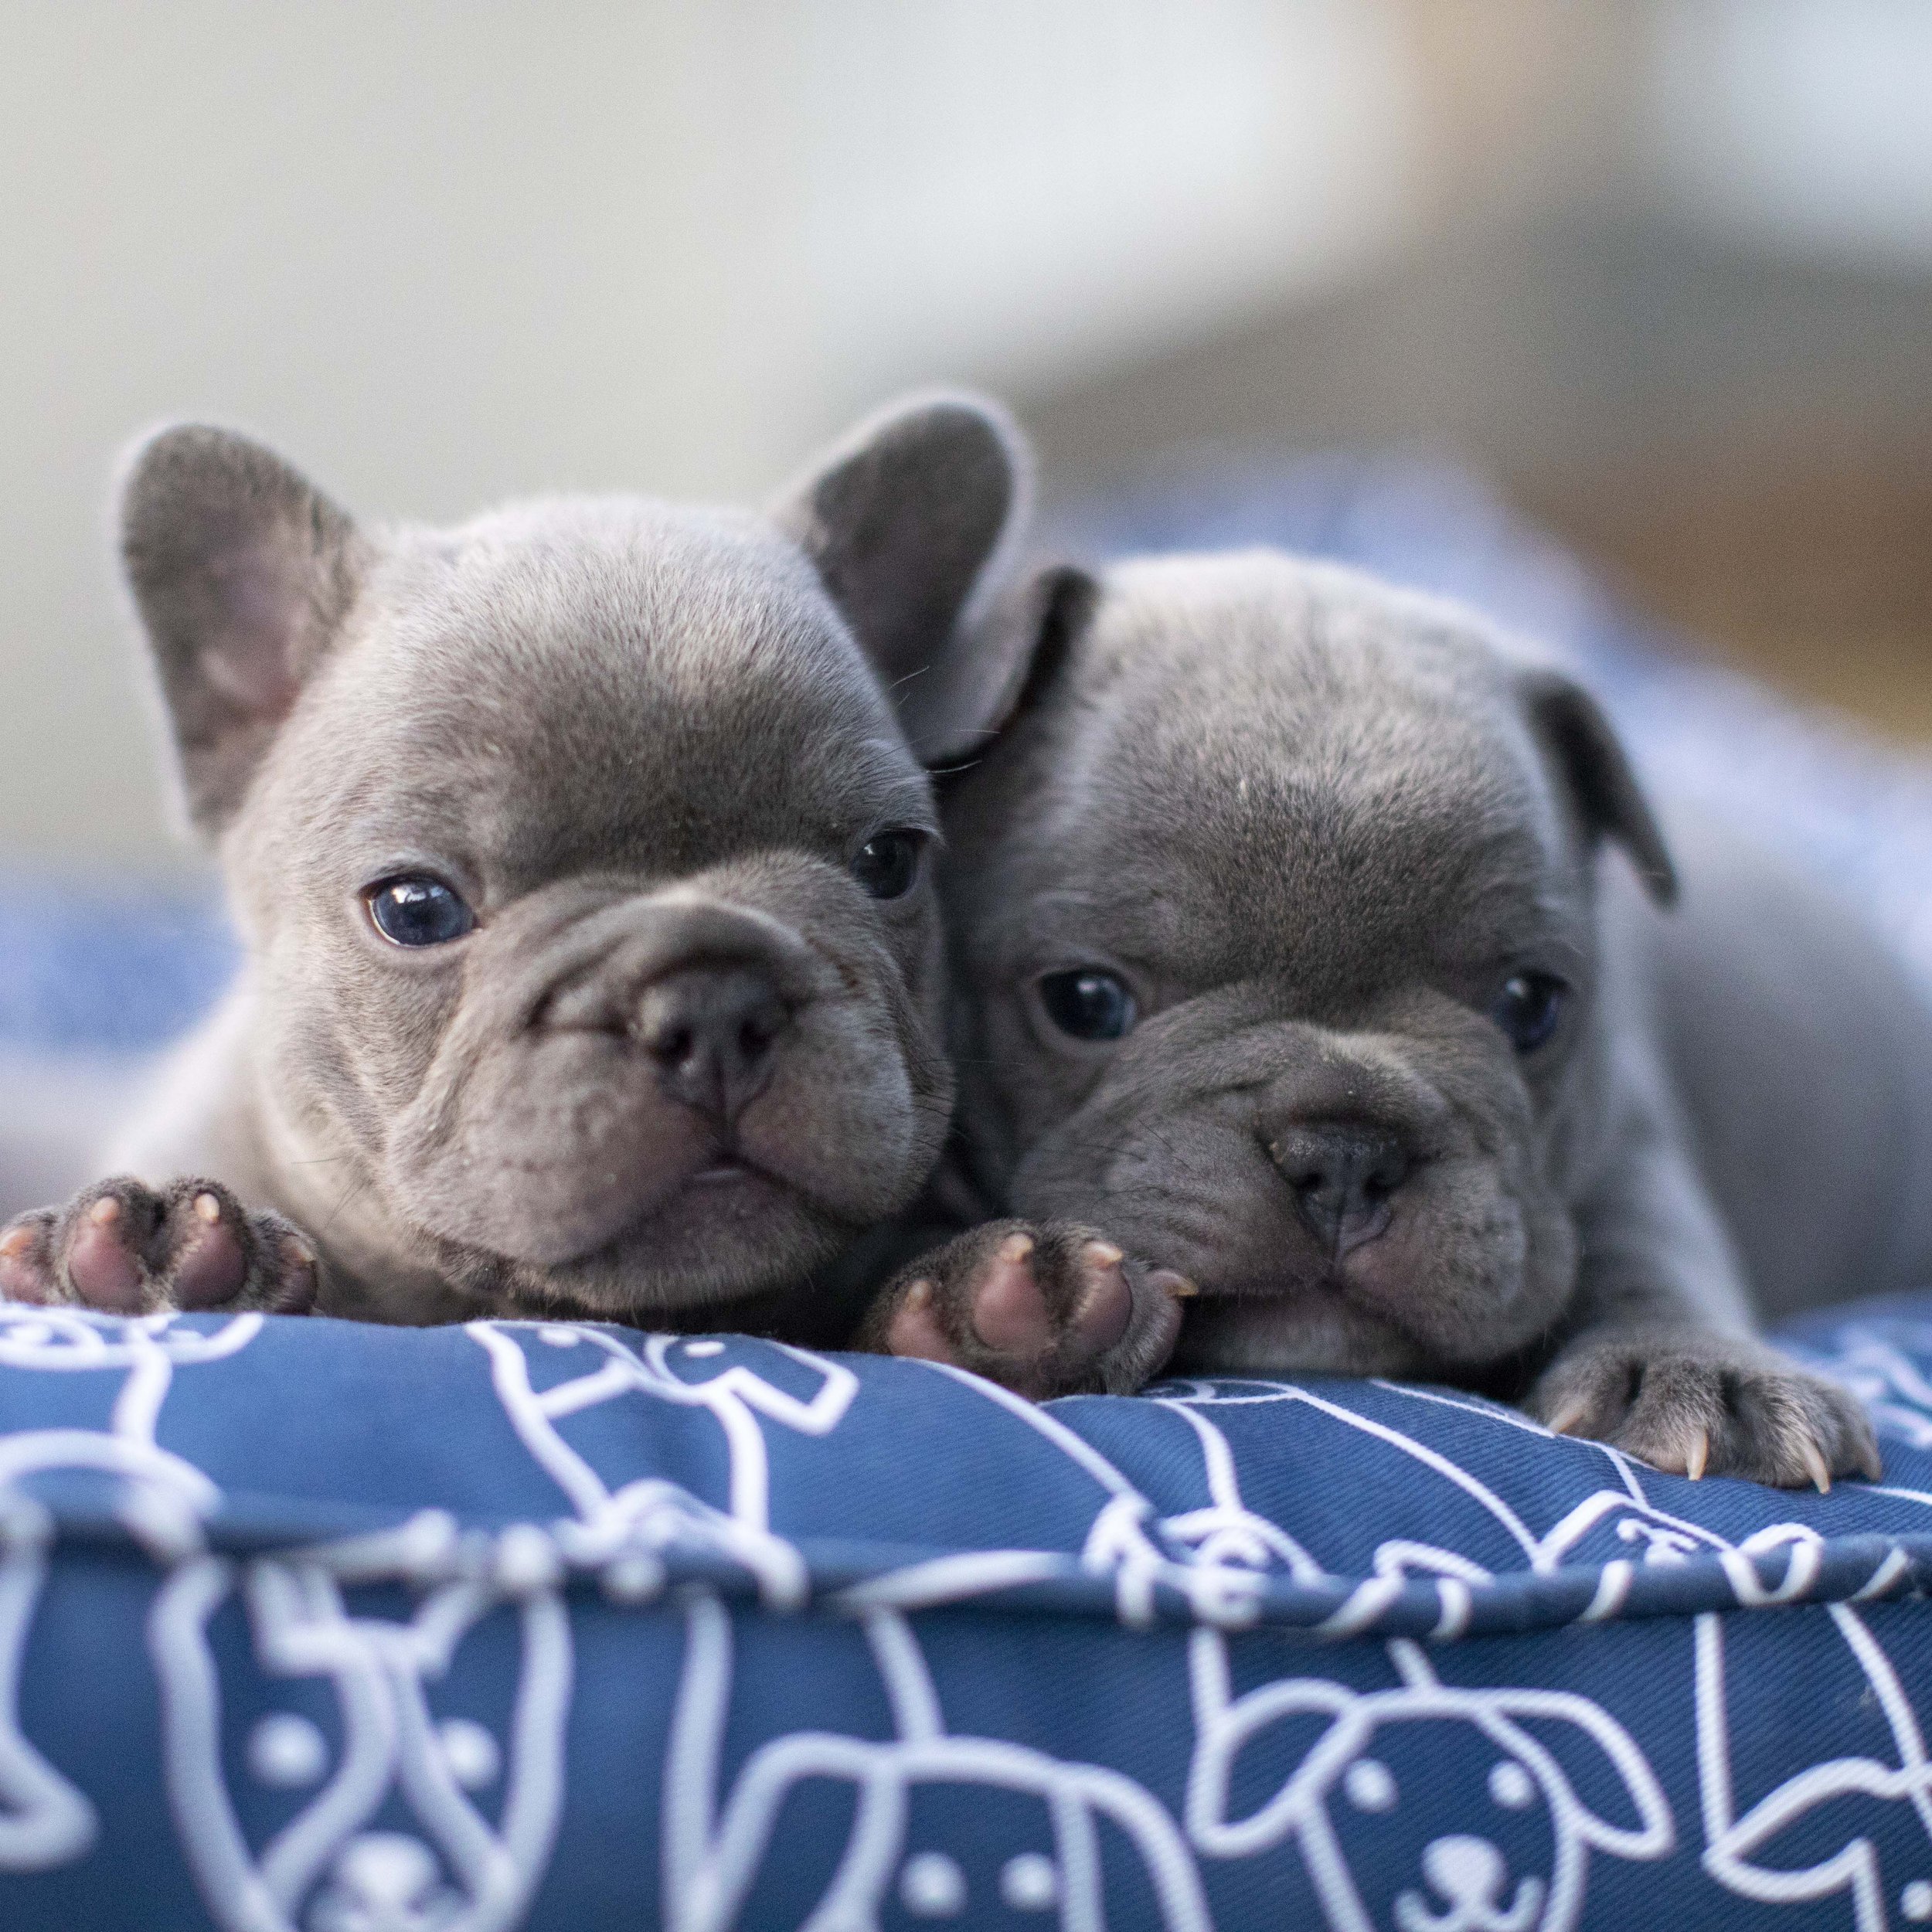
(310, 1627)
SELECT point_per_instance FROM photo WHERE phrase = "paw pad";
(127, 1249)
(1044, 1310)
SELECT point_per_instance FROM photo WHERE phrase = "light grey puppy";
(580, 857)
(1284, 957)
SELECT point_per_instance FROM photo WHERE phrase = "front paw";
(127, 1249)
(1043, 1309)
(1691, 1405)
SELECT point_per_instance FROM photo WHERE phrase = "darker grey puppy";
(1284, 957)
(579, 856)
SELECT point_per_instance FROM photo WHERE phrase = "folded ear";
(1558, 1733)
(912, 523)
(1578, 739)
(243, 572)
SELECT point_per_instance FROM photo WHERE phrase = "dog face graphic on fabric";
(1505, 1849)
(320, 1781)
(1288, 963)
(580, 857)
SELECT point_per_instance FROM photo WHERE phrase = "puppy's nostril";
(671, 1044)
(713, 1032)
(1343, 1178)
(1386, 1173)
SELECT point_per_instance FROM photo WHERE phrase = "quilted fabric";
(309, 1627)
(305, 1624)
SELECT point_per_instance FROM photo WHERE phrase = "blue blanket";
(307, 1624)
(310, 1627)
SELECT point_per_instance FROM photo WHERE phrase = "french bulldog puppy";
(580, 856)
(1284, 956)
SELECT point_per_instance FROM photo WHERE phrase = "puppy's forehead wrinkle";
(1274, 767)
(616, 680)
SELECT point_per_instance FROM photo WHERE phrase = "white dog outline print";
(713, 1852)
(458, 1872)
(633, 1523)
(44, 1820)
(1735, 1843)
(1466, 1872)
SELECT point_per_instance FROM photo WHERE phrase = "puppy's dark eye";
(1528, 1009)
(418, 911)
(1088, 1003)
(887, 866)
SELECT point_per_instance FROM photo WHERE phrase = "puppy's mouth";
(722, 1172)
(725, 1170)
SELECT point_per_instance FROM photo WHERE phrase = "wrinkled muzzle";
(1372, 1198)
(701, 1081)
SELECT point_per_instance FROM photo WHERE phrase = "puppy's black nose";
(712, 1031)
(1343, 1177)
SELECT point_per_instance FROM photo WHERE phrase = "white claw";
(1815, 1464)
(1566, 1418)
(1698, 1455)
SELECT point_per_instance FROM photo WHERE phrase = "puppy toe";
(209, 1264)
(216, 1254)
(102, 1239)
(26, 1267)
(914, 1330)
(1104, 1303)
(1007, 1309)
(1590, 1398)
(1677, 1445)
(297, 1278)
(1796, 1430)
(1677, 1416)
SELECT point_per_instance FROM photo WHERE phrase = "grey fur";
(645, 743)
(1316, 823)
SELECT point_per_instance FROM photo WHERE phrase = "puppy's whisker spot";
(355, 1187)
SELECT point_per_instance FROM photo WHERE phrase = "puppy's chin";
(1312, 1332)
(715, 1231)
(720, 1238)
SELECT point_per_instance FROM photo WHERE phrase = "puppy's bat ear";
(911, 523)
(242, 573)
(1578, 739)
(1017, 649)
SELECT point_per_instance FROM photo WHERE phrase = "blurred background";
(1660, 268)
